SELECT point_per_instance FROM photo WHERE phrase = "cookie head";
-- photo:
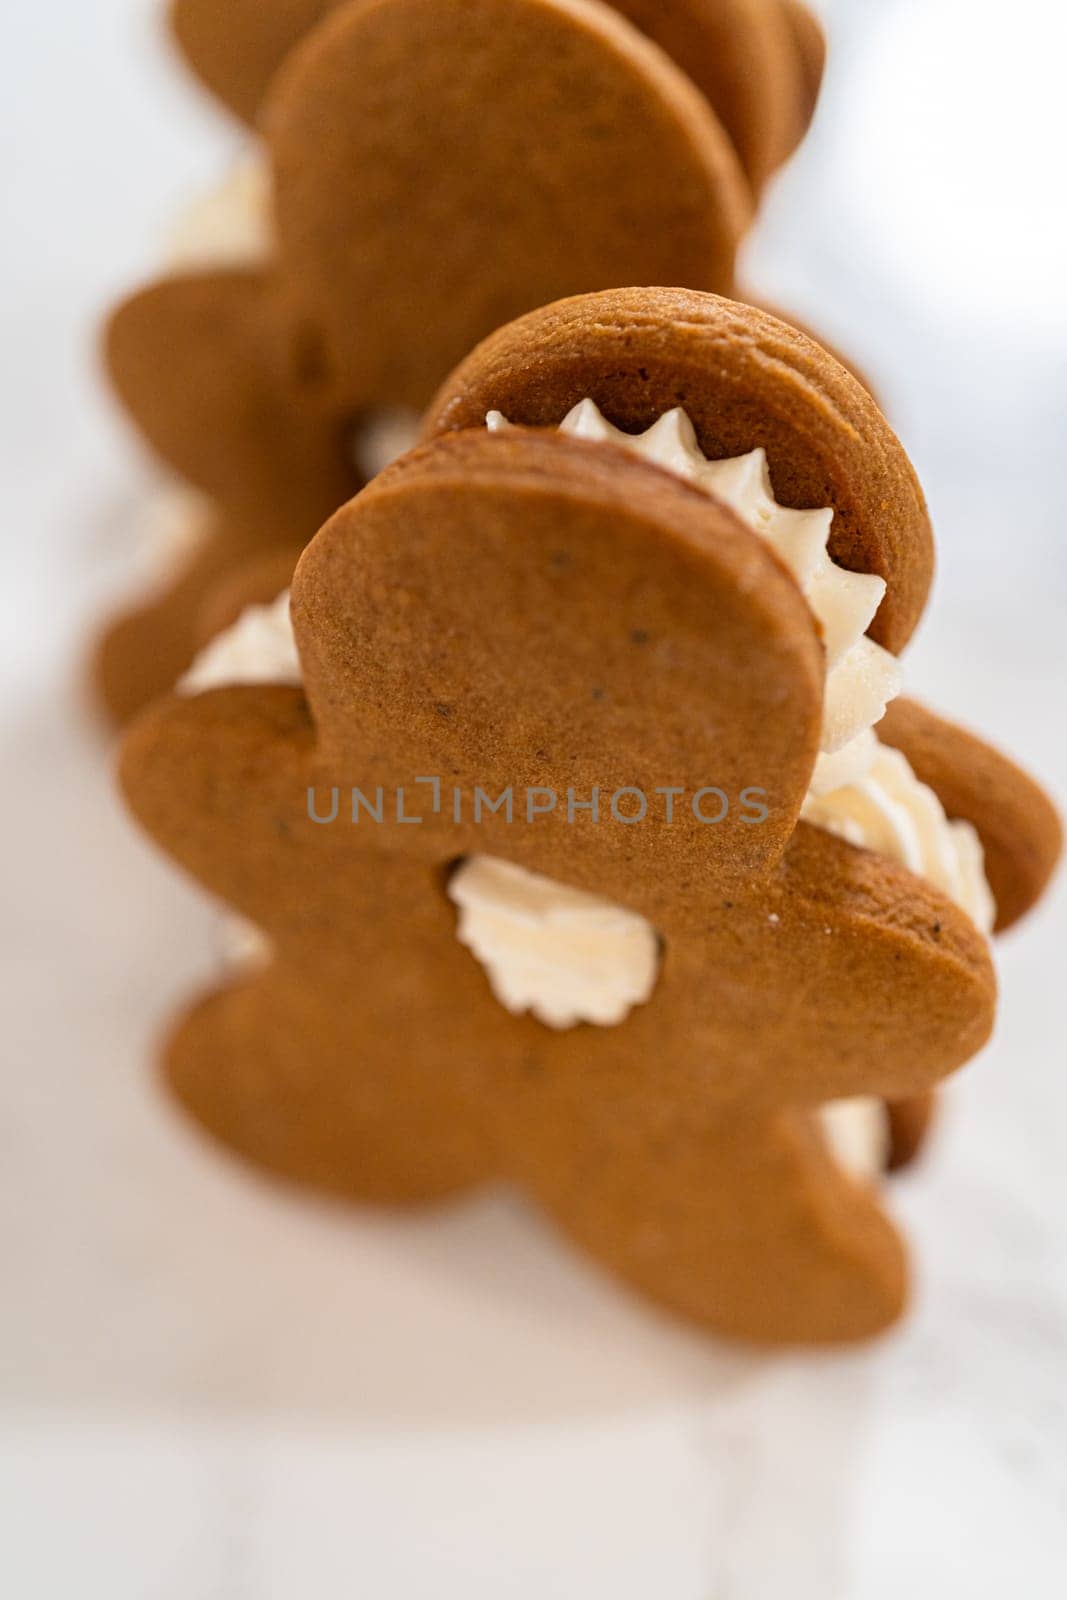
(753, 60)
(442, 168)
(519, 612)
(746, 381)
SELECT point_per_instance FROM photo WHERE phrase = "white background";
(211, 1390)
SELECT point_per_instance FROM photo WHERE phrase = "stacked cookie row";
(574, 830)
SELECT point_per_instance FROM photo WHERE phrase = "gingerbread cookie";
(758, 62)
(537, 369)
(406, 221)
(506, 634)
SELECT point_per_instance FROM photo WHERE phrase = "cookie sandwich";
(398, 210)
(565, 846)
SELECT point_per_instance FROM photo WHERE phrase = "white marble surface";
(210, 1390)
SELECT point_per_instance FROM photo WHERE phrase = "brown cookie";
(201, 363)
(746, 380)
(752, 59)
(404, 237)
(459, 218)
(148, 648)
(833, 350)
(208, 367)
(534, 610)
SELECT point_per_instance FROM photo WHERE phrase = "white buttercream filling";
(861, 677)
(562, 954)
(231, 225)
(382, 437)
(888, 810)
(260, 647)
(244, 947)
(857, 1133)
(174, 523)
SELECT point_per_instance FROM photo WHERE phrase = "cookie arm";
(220, 782)
(213, 375)
(886, 986)
(1018, 825)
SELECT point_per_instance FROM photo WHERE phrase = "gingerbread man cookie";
(403, 214)
(1018, 829)
(521, 819)
(758, 62)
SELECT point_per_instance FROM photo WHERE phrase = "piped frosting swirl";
(861, 677)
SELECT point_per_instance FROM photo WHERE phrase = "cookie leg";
(750, 1229)
(360, 1118)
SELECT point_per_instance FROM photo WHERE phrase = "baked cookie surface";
(746, 380)
(756, 61)
(535, 610)
(460, 219)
